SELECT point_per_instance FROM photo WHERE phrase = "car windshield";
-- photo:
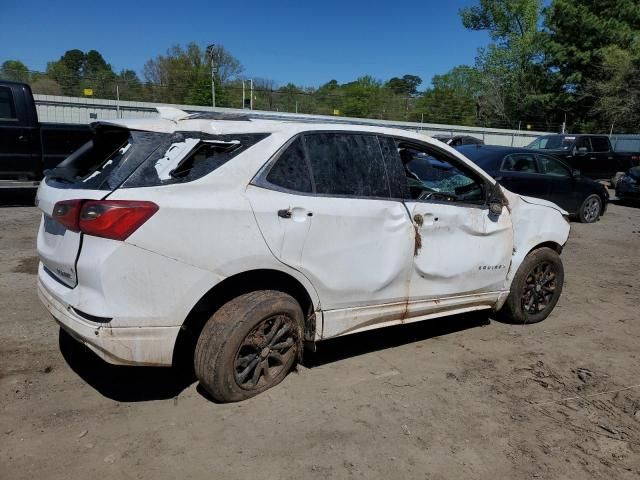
(553, 142)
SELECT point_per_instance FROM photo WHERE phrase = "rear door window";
(600, 144)
(291, 170)
(521, 163)
(583, 144)
(347, 164)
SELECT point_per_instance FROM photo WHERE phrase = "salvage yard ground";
(459, 397)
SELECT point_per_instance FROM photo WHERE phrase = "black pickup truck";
(28, 147)
(591, 154)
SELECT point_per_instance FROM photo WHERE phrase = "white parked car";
(236, 241)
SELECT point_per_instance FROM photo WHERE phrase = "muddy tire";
(249, 345)
(536, 288)
(590, 209)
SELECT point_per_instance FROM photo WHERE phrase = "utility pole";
(118, 101)
(210, 49)
(244, 96)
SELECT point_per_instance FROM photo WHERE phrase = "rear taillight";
(67, 213)
(114, 219)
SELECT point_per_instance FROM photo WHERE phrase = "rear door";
(325, 208)
(604, 162)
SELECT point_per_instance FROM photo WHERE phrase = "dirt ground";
(458, 397)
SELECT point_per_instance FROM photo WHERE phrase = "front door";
(560, 181)
(462, 250)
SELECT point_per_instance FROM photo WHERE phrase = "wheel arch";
(231, 287)
(549, 244)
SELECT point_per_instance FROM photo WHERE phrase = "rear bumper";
(117, 345)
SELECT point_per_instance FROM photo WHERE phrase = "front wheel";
(536, 287)
(590, 209)
(249, 345)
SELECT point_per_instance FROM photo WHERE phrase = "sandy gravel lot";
(459, 397)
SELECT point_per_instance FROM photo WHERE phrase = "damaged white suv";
(234, 242)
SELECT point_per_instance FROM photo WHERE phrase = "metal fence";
(58, 109)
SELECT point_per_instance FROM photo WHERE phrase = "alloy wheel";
(265, 352)
(591, 210)
(539, 288)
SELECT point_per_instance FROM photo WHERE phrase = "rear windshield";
(122, 158)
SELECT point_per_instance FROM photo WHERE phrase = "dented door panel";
(463, 250)
(354, 251)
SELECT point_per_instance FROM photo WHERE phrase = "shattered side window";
(433, 176)
(107, 160)
(187, 156)
(291, 170)
(347, 164)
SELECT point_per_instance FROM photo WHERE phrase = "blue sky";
(307, 43)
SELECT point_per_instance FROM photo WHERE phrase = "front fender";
(535, 222)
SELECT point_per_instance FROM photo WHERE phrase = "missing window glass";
(203, 153)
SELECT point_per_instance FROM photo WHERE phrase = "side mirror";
(495, 206)
(497, 200)
(582, 150)
(575, 173)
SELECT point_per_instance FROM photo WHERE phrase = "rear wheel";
(536, 287)
(590, 209)
(249, 345)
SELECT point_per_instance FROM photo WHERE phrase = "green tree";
(76, 70)
(184, 74)
(407, 85)
(362, 98)
(581, 36)
(451, 99)
(515, 83)
(14, 70)
(616, 91)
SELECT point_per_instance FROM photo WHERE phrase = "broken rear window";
(117, 157)
(189, 156)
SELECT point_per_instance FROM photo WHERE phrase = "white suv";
(236, 241)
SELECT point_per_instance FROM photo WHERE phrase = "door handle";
(284, 213)
(22, 138)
